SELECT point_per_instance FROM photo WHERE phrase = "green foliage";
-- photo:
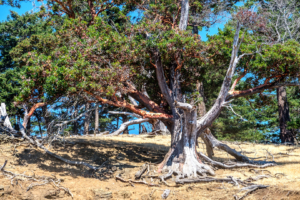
(16, 29)
(101, 55)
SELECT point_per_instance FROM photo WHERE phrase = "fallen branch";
(202, 180)
(39, 180)
(141, 171)
(3, 165)
(257, 177)
(36, 142)
(251, 189)
(131, 181)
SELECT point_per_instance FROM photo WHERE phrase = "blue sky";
(25, 7)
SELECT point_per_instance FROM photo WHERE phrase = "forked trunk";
(182, 157)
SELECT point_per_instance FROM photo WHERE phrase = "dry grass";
(130, 152)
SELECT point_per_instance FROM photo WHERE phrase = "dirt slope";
(124, 155)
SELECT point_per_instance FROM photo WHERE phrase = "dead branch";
(3, 165)
(258, 171)
(251, 189)
(202, 180)
(166, 176)
(38, 180)
(74, 119)
(141, 171)
(124, 113)
(131, 181)
(257, 178)
(36, 142)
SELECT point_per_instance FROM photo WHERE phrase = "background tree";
(284, 25)
(13, 31)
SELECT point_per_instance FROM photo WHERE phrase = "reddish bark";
(131, 107)
(33, 108)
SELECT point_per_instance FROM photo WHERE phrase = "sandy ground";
(124, 155)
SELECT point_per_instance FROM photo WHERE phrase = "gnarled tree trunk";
(182, 157)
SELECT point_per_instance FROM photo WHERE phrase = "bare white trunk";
(96, 119)
(184, 15)
(4, 116)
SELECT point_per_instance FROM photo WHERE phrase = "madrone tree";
(105, 63)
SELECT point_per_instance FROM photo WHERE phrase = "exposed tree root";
(211, 142)
(166, 176)
(236, 165)
(37, 180)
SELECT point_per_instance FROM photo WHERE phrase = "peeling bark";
(182, 157)
(30, 113)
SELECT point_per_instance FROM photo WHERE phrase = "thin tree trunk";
(284, 116)
(39, 122)
(46, 118)
(96, 120)
(28, 127)
(139, 129)
(75, 123)
(87, 120)
(144, 130)
(124, 120)
(18, 122)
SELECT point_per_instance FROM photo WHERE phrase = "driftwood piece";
(141, 171)
(165, 194)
